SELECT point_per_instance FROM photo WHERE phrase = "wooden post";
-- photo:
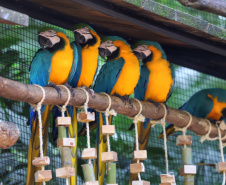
(111, 173)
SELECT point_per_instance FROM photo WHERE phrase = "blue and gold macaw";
(85, 46)
(118, 76)
(155, 84)
(207, 103)
(53, 65)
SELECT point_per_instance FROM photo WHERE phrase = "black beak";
(104, 52)
(79, 37)
(140, 55)
(43, 41)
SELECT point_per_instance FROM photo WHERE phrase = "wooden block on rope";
(86, 117)
(140, 155)
(108, 130)
(66, 142)
(89, 153)
(187, 170)
(167, 178)
(43, 175)
(137, 168)
(63, 121)
(38, 161)
(184, 140)
(65, 172)
(140, 183)
(168, 183)
(109, 157)
(221, 166)
(112, 184)
(91, 183)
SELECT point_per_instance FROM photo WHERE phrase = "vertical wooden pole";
(88, 172)
(111, 173)
(187, 159)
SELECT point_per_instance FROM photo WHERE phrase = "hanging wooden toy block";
(43, 175)
(167, 178)
(108, 130)
(187, 170)
(63, 121)
(65, 172)
(221, 166)
(140, 155)
(89, 153)
(109, 157)
(184, 140)
(66, 142)
(168, 183)
(137, 168)
(140, 183)
(38, 161)
(86, 117)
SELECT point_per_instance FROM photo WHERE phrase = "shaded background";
(17, 48)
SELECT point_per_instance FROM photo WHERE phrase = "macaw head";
(111, 46)
(50, 37)
(148, 50)
(84, 34)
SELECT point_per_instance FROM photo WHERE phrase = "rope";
(38, 109)
(85, 107)
(67, 181)
(222, 154)
(206, 137)
(162, 121)
(136, 119)
(184, 129)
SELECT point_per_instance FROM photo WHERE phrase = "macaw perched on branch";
(155, 84)
(53, 65)
(207, 103)
(118, 76)
(86, 50)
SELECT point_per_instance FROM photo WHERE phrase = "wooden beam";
(217, 6)
(8, 16)
(33, 94)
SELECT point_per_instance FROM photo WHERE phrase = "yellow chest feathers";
(160, 80)
(215, 113)
(61, 64)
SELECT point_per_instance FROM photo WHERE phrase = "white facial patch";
(144, 49)
(51, 35)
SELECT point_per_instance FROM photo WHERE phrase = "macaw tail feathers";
(72, 132)
(144, 130)
(169, 131)
(101, 146)
(34, 144)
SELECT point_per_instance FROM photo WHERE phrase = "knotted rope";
(206, 137)
(63, 110)
(85, 107)
(184, 129)
(162, 121)
(136, 119)
(38, 109)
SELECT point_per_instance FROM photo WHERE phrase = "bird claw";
(91, 91)
(51, 84)
(121, 97)
(70, 88)
(157, 104)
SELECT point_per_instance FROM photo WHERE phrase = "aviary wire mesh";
(17, 48)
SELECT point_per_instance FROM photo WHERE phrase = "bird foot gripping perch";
(110, 156)
(88, 153)
(41, 175)
(167, 178)
(138, 154)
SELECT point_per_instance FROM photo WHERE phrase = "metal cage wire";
(17, 48)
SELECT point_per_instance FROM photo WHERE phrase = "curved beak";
(82, 38)
(46, 41)
(106, 49)
(141, 53)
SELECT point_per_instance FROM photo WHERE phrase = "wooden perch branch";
(212, 6)
(31, 94)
